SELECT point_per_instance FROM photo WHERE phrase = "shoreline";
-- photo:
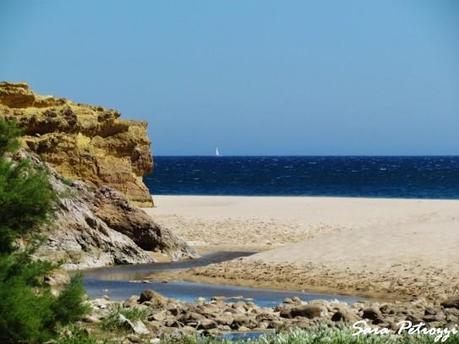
(390, 286)
(154, 196)
(397, 287)
(392, 249)
(191, 275)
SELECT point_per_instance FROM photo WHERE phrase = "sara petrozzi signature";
(407, 327)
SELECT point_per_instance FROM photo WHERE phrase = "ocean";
(434, 177)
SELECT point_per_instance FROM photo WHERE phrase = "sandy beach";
(377, 247)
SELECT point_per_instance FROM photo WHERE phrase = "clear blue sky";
(253, 77)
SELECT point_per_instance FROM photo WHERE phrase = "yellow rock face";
(82, 142)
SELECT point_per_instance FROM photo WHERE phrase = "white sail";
(217, 152)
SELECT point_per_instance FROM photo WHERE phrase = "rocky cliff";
(94, 227)
(82, 142)
(96, 162)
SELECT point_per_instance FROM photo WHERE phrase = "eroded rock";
(80, 235)
(82, 142)
(153, 297)
(452, 302)
(372, 314)
(307, 311)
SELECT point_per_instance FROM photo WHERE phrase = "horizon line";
(308, 155)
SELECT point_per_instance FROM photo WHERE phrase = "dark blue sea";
(351, 176)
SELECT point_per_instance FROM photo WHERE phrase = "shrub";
(29, 313)
(8, 137)
(68, 306)
(26, 198)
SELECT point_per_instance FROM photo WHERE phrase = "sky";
(251, 77)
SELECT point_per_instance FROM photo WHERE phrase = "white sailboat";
(217, 152)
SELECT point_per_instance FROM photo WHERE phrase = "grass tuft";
(320, 335)
(111, 322)
(75, 335)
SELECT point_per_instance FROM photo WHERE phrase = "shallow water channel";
(121, 282)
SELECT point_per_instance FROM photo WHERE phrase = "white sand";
(357, 245)
(266, 222)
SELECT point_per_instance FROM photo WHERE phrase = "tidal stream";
(121, 282)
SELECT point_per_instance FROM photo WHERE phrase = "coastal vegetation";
(320, 335)
(29, 311)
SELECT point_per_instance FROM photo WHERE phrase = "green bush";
(26, 197)
(68, 306)
(25, 200)
(8, 137)
(29, 313)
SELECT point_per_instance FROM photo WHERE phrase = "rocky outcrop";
(96, 162)
(82, 142)
(93, 227)
(169, 317)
